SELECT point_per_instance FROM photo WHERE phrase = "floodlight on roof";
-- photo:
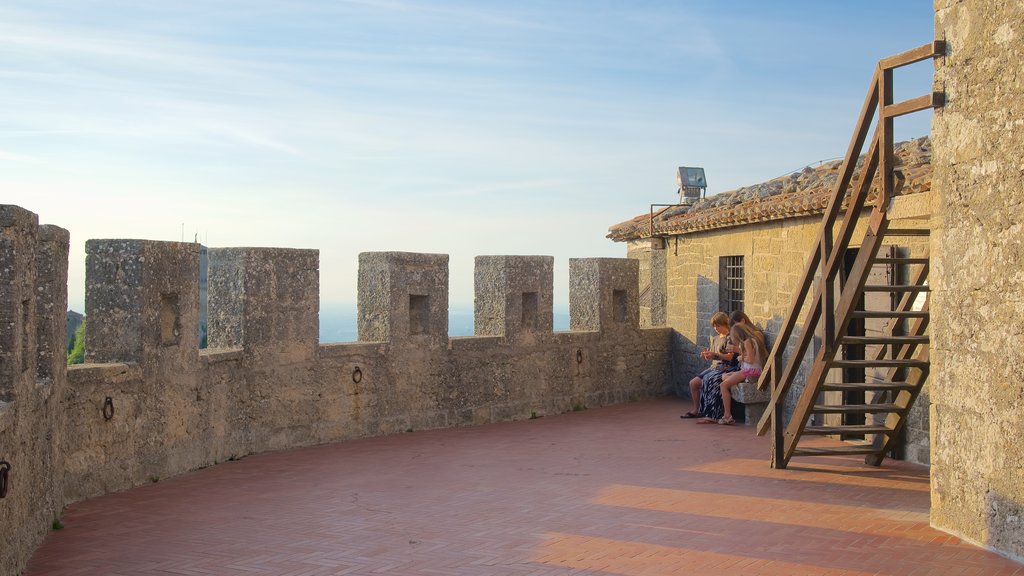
(691, 184)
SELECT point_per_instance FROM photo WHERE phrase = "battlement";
(142, 299)
(150, 404)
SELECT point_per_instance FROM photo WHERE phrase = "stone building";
(746, 249)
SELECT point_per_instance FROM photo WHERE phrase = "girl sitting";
(752, 355)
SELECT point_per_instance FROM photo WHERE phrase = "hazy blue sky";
(458, 127)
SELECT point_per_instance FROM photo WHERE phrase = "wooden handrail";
(826, 258)
(770, 373)
(935, 48)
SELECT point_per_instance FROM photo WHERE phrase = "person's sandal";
(726, 421)
(691, 415)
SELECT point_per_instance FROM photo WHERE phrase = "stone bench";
(754, 401)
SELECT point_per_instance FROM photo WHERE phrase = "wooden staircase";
(831, 296)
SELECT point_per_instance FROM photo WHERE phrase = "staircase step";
(882, 363)
(835, 450)
(855, 408)
(896, 288)
(870, 340)
(867, 386)
(851, 429)
(889, 314)
(909, 261)
(908, 232)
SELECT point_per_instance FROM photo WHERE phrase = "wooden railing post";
(886, 135)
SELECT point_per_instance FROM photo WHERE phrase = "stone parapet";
(149, 404)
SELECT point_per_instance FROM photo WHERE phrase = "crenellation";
(265, 301)
(403, 298)
(141, 301)
(603, 294)
(33, 296)
(19, 230)
(513, 296)
(51, 303)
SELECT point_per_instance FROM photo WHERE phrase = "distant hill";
(74, 321)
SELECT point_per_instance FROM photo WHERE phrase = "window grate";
(730, 282)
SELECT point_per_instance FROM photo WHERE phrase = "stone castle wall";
(977, 362)
(149, 404)
(33, 382)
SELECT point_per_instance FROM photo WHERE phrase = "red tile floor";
(626, 490)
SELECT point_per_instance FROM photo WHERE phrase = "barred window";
(730, 283)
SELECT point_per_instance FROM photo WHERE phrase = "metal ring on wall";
(357, 375)
(5, 468)
(579, 356)
(108, 408)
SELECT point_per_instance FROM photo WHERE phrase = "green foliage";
(57, 525)
(77, 353)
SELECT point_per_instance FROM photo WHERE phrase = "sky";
(460, 127)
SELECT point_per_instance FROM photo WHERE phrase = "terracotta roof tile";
(803, 193)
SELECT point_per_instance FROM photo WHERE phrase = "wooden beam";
(933, 100)
(931, 50)
(779, 392)
(853, 210)
(886, 143)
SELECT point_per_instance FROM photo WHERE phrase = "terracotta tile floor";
(630, 490)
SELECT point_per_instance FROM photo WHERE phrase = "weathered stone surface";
(265, 300)
(603, 294)
(978, 284)
(651, 257)
(33, 304)
(403, 297)
(513, 295)
(142, 299)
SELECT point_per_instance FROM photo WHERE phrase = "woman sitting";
(716, 353)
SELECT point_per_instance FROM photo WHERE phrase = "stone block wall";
(603, 294)
(33, 305)
(774, 257)
(977, 365)
(403, 297)
(513, 295)
(149, 404)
